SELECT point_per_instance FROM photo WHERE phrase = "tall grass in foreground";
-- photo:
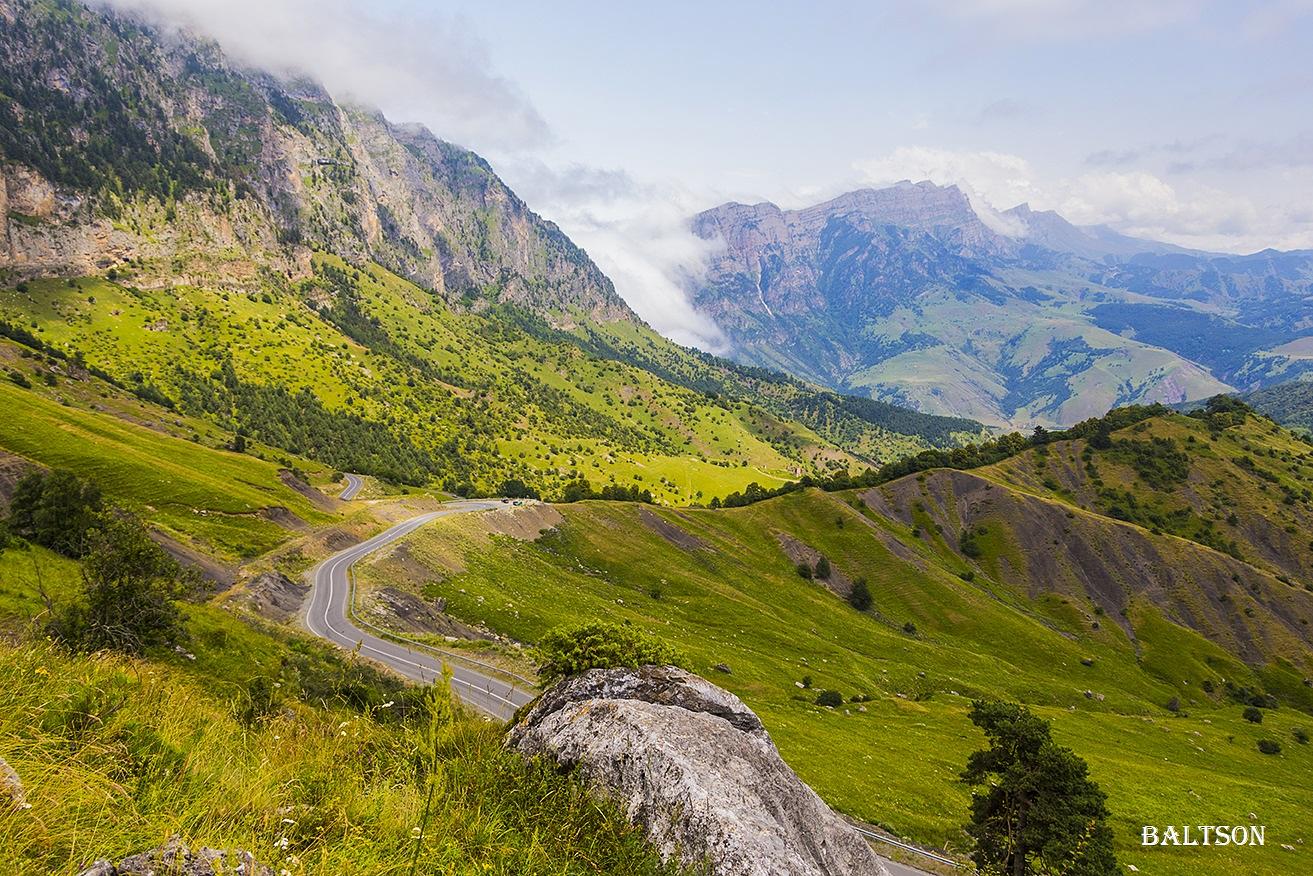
(117, 755)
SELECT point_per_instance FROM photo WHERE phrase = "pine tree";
(1040, 812)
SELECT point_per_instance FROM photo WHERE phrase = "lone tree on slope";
(1040, 813)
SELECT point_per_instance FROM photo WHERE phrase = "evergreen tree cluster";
(299, 423)
(965, 457)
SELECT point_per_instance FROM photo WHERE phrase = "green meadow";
(719, 585)
(213, 500)
(485, 396)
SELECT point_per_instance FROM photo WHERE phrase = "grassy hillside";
(225, 505)
(251, 737)
(1290, 403)
(1245, 490)
(365, 371)
(274, 745)
(1099, 639)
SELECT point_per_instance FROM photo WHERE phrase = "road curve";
(326, 616)
(353, 485)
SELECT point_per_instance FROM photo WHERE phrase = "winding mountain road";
(353, 485)
(328, 616)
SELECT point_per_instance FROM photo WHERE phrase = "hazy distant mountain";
(1048, 230)
(908, 294)
(1290, 403)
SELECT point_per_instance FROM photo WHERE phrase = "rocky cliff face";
(122, 143)
(694, 767)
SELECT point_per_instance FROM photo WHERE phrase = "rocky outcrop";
(275, 596)
(409, 613)
(175, 859)
(695, 768)
(11, 788)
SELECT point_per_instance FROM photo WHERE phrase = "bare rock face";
(692, 765)
(275, 596)
(11, 788)
(394, 194)
(176, 859)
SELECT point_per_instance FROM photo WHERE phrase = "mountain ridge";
(906, 294)
(273, 162)
(245, 247)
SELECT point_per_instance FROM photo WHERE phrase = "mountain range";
(250, 247)
(221, 290)
(910, 294)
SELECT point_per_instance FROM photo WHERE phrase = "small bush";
(1269, 746)
(130, 587)
(1253, 715)
(830, 698)
(806, 681)
(969, 546)
(1174, 705)
(567, 651)
(860, 596)
(823, 569)
(1301, 735)
(909, 628)
(804, 571)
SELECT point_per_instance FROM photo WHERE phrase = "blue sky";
(1184, 121)
(784, 100)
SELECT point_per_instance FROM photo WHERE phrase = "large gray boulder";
(693, 766)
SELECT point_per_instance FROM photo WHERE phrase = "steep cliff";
(123, 143)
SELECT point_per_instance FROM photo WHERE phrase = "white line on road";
(329, 606)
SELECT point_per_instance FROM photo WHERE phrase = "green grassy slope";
(722, 585)
(1245, 489)
(463, 399)
(329, 772)
(225, 505)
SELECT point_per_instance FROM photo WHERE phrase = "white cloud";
(411, 63)
(1193, 215)
(1058, 19)
(1134, 202)
(639, 236)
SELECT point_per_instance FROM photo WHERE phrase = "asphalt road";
(897, 869)
(353, 485)
(326, 617)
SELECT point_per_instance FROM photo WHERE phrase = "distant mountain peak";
(944, 211)
(1051, 230)
(912, 294)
